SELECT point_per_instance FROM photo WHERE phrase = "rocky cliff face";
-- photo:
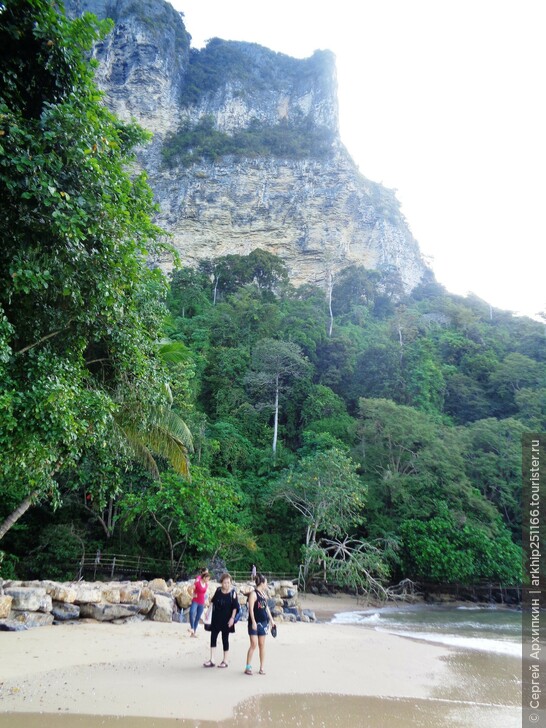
(246, 151)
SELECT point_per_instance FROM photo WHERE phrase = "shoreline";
(154, 670)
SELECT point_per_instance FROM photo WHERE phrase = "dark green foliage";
(57, 552)
(424, 365)
(80, 310)
(465, 399)
(247, 68)
(203, 142)
(493, 464)
(209, 68)
(403, 426)
(409, 390)
(8, 566)
(443, 550)
(160, 19)
(231, 272)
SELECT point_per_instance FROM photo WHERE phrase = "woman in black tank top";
(259, 621)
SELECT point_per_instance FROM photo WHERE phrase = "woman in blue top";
(259, 621)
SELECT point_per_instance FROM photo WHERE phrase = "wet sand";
(321, 674)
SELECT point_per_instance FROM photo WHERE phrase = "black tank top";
(260, 607)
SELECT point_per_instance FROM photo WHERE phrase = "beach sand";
(69, 675)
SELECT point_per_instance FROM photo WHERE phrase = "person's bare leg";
(253, 645)
(261, 645)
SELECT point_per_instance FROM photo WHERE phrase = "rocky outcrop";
(318, 216)
(282, 181)
(143, 60)
(24, 605)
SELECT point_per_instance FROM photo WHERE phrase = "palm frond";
(159, 431)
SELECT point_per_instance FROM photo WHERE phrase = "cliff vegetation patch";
(249, 64)
(203, 142)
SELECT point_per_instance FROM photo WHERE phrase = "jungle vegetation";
(223, 412)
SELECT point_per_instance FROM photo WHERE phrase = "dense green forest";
(370, 434)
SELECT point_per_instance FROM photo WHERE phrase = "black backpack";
(238, 613)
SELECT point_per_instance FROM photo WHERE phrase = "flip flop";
(209, 663)
(248, 671)
(262, 672)
(223, 664)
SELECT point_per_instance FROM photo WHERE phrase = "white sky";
(442, 100)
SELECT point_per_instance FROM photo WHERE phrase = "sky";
(441, 100)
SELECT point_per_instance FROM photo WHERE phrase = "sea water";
(488, 629)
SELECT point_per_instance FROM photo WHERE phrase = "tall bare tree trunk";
(276, 419)
(330, 289)
(17, 513)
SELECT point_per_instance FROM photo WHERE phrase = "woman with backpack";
(259, 622)
(225, 607)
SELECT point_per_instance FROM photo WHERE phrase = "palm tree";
(157, 431)
(143, 433)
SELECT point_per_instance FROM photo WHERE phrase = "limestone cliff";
(246, 150)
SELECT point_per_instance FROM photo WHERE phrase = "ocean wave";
(370, 618)
(482, 644)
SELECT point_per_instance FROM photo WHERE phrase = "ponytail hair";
(259, 579)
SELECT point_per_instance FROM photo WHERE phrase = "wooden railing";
(126, 566)
(122, 566)
(242, 576)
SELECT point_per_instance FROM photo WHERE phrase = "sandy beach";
(154, 670)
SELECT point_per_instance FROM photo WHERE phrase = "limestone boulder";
(309, 615)
(5, 605)
(163, 609)
(11, 625)
(46, 604)
(129, 620)
(147, 601)
(26, 598)
(107, 612)
(88, 594)
(130, 594)
(288, 592)
(183, 595)
(158, 585)
(293, 611)
(111, 594)
(289, 617)
(62, 593)
(64, 611)
(31, 619)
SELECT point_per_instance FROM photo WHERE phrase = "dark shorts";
(261, 631)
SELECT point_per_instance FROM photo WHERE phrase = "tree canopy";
(220, 413)
(80, 309)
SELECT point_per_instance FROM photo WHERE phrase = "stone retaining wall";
(25, 604)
